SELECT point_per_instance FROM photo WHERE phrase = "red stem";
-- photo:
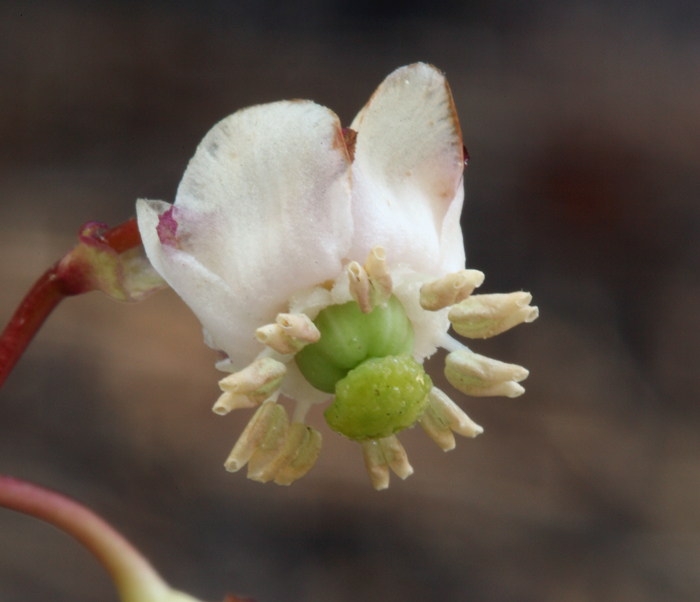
(45, 295)
(123, 237)
(36, 306)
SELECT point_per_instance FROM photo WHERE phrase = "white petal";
(407, 173)
(264, 206)
(209, 297)
(452, 254)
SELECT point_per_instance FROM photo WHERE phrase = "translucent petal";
(452, 255)
(264, 206)
(407, 173)
(209, 297)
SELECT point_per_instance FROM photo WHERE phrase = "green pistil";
(349, 337)
(365, 359)
(380, 397)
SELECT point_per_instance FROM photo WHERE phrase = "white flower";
(290, 235)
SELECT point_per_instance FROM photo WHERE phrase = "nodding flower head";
(325, 265)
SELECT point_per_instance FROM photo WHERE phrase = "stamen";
(273, 449)
(481, 376)
(270, 445)
(232, 401)
(436, 430)
(360, 286)
(379, 455)
(379, 277)
(484, 316)
(304, 459)
(396, 457)
(449, 289)
(447, 410)
(296, 457)
(265, 418)
(376, 465)
(296, 438)
(442, 416)
(290, 334)
(299, 327)
(251, 386)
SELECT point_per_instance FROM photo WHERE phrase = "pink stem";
(132, 574)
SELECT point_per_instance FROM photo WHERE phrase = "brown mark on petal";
(167, 229)
(350, 138)
(327, 284)
(453, 114)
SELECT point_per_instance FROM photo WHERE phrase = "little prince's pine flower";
(325, 265)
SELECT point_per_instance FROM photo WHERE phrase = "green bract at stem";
(349, 337)
(110, 260)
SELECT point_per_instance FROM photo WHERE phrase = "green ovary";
(365, 359)
(349, 337)
(380, 397)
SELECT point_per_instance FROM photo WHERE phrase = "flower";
(323, 262)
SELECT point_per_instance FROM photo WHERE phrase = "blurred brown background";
(583, 124)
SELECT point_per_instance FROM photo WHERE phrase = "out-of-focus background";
(583, 125)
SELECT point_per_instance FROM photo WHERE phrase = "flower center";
(349, 337)
(365, 359)
(380, 397)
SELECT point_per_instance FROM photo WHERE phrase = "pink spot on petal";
(167, 229)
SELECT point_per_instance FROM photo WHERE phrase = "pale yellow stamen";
(379, 277)
(251, 386)
(228, 402)
(481, 376)
(299, 327)
(291, 333)
(274, 449)
(442, 416)
(484, 316)
(296, 438)
(271, 443)
(360, 286)
(266, 417)
(304, 459)
(382, 454)
(438, 430)
(448, 410)
(376, 465)
(396, 456)
(449, 289)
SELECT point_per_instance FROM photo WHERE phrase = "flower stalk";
(35, 308)
(134, 577)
